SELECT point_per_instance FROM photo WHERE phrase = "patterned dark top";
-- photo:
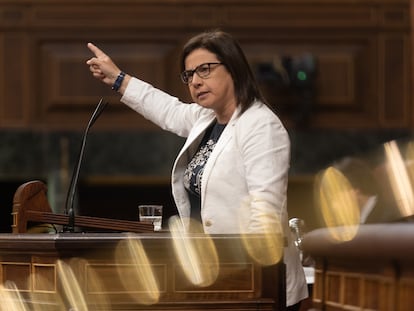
(194, 172)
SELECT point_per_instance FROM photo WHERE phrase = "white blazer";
(245, 177)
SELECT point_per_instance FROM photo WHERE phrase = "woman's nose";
(196, 80)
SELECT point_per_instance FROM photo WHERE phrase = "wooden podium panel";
(136, 271)
(372, 271)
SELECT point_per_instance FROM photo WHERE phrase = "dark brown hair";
(228, 52)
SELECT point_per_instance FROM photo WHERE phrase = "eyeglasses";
(203, 71)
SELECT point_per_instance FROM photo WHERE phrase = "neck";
(224, 116)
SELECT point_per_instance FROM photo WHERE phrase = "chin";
(204, 104)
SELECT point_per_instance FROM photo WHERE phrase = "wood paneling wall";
(362, 49)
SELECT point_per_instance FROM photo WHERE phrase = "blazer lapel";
(221, 144)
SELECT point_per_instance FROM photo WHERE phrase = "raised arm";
(104, 69)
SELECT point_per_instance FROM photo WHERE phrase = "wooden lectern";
(130, 271)
(30, 204)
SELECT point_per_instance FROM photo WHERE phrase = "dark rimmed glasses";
(203, 71)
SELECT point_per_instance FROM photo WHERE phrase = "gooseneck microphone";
(70, 227)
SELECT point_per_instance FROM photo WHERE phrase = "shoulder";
(260, 125)
(260, 115)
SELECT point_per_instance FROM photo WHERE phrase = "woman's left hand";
(102, 66)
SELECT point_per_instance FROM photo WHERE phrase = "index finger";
(95, 50)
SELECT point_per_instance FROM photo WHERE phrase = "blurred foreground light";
(198, 257)
(94, 285)
(71, 287)
(264, 240)
(266, 249)
(338, 204)
(399, 179)
(50, 299)
(10, 298)
(135, 272)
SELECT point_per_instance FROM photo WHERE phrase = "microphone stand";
(70, 227)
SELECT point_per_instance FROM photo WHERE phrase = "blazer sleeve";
(164, 110)
(265, 148)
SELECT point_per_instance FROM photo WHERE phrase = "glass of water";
(151, 213)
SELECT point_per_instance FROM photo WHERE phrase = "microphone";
(70, 227)
(297, 226)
